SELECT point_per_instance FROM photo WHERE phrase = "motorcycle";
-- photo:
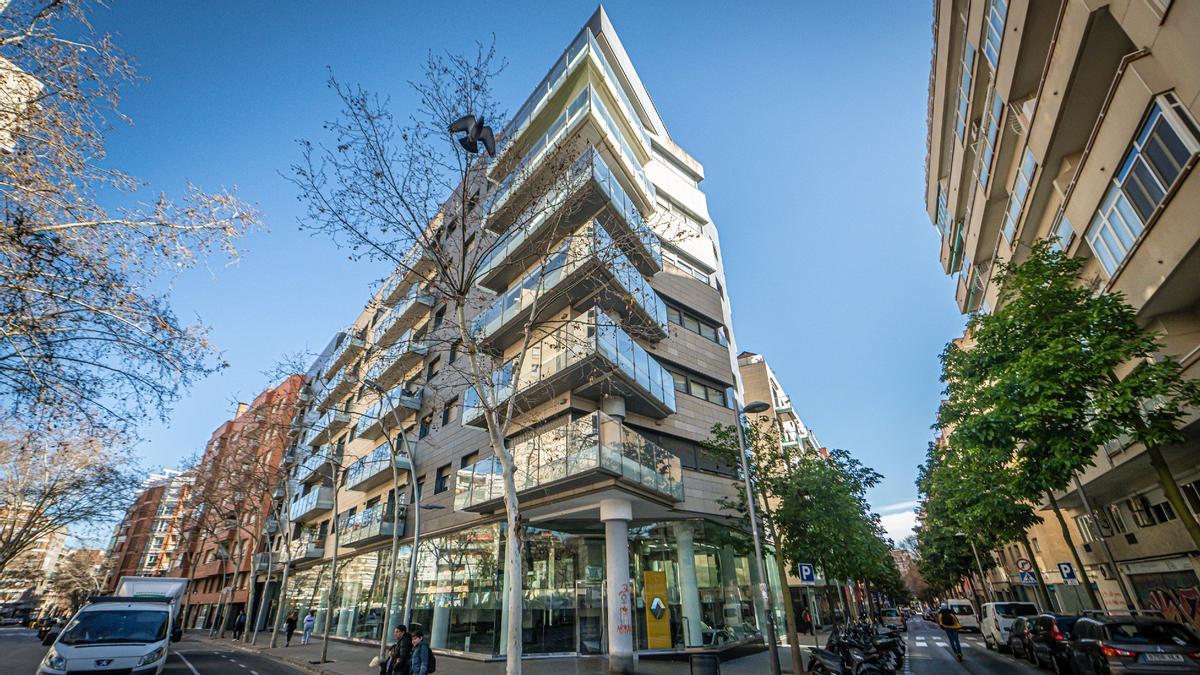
(858, 649)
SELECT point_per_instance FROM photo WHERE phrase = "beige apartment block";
(632, 364)
(1075, 120)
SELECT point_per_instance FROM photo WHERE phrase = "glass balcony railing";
(384, 369)
(345, 351)
(318, 500)
(415, 296)
(370, 470)
(595, 443)
(591, 243)
(309, 546)
(370, 525)
(585, 102)
(589, 166)
(592, 338)
(325, 426)
(585, 44)
(315, 465)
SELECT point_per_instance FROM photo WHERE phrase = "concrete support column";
(616, 514)
(689, 588)
(441, 622)
(760, 612)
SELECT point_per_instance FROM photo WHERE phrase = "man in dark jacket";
(419, 664)
(399, 653)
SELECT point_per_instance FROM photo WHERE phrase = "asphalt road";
(20, 654)
(929, 654)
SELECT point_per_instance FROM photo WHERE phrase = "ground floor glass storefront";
(705, 571)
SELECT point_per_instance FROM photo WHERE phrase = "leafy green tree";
(1038, 384)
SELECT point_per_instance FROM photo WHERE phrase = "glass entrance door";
(590, 617)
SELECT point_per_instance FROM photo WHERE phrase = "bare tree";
(79, 575)
(459, 227)
(87, 331)
(50, 482)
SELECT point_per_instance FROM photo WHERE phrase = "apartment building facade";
(627, 548)
(1075, 120)
(26, 578)
(148, 539)
(235, 488)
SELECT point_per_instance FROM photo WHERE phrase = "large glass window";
(994, 30)
(988, 142)
(943, 212)
(696, 324)
(964, 91)
(1016, 201)
(1163, 145)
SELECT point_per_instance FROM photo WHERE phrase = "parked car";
(1049, 635)
(892, 618)
(965, 612)
(1018, 638)
(997, 619)
(1126, 643)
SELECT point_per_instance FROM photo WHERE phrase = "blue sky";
(808, 116)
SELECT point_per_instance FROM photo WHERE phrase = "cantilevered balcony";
(370, 526)
(570, 455)
(417, 266)
(590, 355)
(584, 121)
(318, 465)
(336, 389)
(326, 427)
(370, 471)
(265, 561)
(389, 365)
(347, 350)
(586, 264)
(583, 49)
(317, 501)
(590, 186)
(309, 546)
(401, 316)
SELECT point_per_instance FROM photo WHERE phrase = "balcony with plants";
(587, 264)
(589, 187)
(569, 455)
(401, 316)
(371, 525)
(590, 355)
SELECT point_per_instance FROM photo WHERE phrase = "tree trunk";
(513, 548)
(1041, 584)
(287, 557)
(1083, 576)
(1174, 496)
(789, 611)
(333, 534)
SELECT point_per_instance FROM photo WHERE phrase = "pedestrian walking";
(422, 662)
(806, 624)
(289, 627)
(310, 622)
(948, 620)
(239, 625)
(399, 654)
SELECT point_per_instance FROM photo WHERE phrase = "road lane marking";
(187, 663)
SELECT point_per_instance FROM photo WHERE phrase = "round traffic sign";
(1024, 565)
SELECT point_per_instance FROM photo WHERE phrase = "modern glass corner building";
(628, 547)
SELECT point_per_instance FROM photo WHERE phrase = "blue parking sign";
(808, 574)
(1068, 573)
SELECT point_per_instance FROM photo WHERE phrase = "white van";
(128, 632)
(965, 612)
(997, 620)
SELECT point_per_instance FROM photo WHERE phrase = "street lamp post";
(772, 640)
(987, 583)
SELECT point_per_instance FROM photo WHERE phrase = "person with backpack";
(423, 661)
(399, 655)
(289, 627)
(239, 625)
(948, 620)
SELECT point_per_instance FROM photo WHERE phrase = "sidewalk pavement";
(347, 658)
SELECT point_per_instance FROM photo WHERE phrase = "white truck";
(128, 631)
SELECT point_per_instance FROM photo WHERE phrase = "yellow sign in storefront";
(658, 612)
